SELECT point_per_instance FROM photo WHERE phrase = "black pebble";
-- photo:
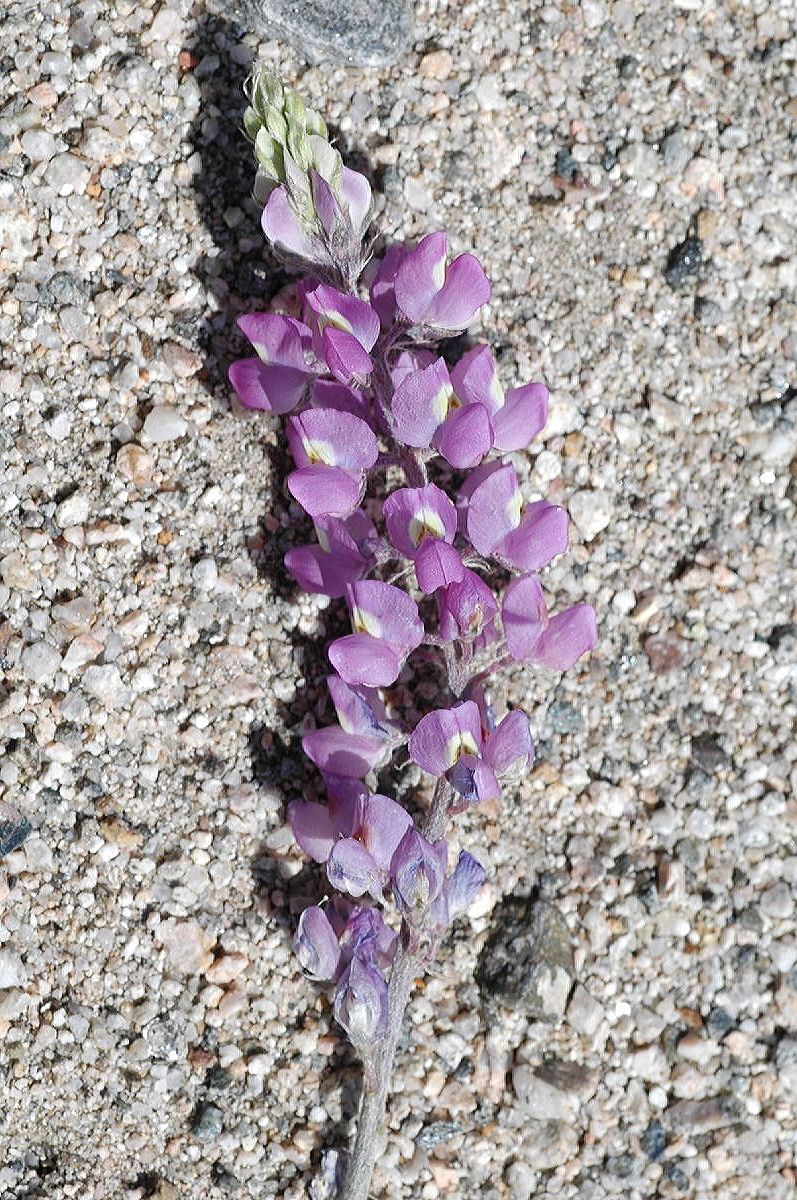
(683, 260)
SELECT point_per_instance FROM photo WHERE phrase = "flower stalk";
(351, 358)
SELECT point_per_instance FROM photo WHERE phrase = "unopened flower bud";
(316, 945)
(361, 1003)
(417, 873)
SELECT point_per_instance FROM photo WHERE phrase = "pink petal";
(383, 281)
(322, 573)
(389, 613)
(511, 743)
(492, 509)
(329, 394)
(312, 828)
(540, 537)
(351, 754)
(475, 379)
(282, 227)
(437, 565)
(277, 339)
(465, 436)
(421, 275)
(345, 439)
(570, 634)
(326, 491)
(360, 658)
(465, 290)
(522, 417)
(356, 193)
(420, 404)
(524, 615)
(266, 387)
(384, 824)
(345, 357)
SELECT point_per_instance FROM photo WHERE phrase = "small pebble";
(135, 463)
(591, 511)
(164, 424)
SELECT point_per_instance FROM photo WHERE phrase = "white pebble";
(72, 511)
(164, 424)
(40, 661)
(38, 144)
(591, 511)
(12, 972)
(67, 173)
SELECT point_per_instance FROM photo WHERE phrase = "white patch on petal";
(461, 743)
(514, 508)
(318, 451)
(443, 401)
(425, 522)
(365, 622)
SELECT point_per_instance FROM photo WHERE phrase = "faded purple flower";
(387, 628)
(501, 525)
(417, 874)
(425, 413)
(517, 416)
(440, 297)
(361, 1003)
(532, 635)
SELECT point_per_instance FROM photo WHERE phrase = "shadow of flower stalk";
(422, 529)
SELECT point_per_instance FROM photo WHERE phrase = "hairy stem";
(407, 965)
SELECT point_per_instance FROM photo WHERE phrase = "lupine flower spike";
(357, 371)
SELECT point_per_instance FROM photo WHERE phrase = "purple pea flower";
(363, 739)
(344, 330)
(316, 945)
(339, 558)
(516, 416)
(532, 635)
(361, 1003)
(421, 524)
(449, 742)
(466, 608)
(426, 412)
(387, 629)
(279, 378)
(332, 450)
(436, 296)
(417, 874)
(499, 524)
(356, 836)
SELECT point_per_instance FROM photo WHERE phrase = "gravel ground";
(626, 173)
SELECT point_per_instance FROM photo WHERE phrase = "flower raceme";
(421, 526)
